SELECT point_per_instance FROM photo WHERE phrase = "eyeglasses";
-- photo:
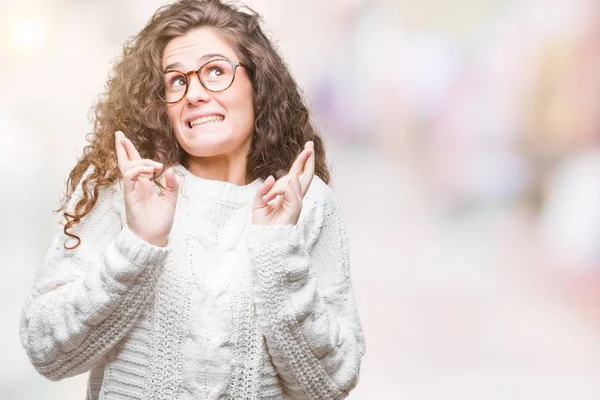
(216, 76)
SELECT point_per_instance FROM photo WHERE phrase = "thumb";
(172, 185)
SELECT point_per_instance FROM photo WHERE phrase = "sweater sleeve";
(84, 301)
(304, 300)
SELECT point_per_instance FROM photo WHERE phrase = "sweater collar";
(215, 190)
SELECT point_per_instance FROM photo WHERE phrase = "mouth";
(209, 119)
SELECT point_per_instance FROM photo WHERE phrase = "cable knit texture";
(227, 310)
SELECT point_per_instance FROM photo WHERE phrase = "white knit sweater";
(227, 310)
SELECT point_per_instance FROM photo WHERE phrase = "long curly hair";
(131, 103)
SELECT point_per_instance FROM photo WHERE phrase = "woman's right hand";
(149, 215)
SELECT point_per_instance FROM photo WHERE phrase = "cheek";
(247, 113)
(242, 110)
(173, 112)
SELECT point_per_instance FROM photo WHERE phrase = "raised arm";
(304, 299)
(84, 301)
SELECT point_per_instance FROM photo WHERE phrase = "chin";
(205, 134)
(206, 146)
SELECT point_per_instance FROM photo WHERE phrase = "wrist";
(157, 241)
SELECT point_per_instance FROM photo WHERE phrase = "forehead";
(188, 50)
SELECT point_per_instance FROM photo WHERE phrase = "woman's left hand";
(280, 203)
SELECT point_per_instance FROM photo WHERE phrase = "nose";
(196, 92)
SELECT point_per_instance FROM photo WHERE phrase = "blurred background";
(465, 142)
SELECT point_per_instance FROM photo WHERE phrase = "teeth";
(206, 120)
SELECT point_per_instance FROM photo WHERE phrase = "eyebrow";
(202, 59)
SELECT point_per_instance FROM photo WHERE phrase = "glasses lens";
(217, 75)
(175, 84)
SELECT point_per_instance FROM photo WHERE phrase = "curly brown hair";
(131, 103)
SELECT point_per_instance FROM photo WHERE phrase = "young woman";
(203, 254)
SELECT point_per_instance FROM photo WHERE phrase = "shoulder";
(321, 198)
(110, 198)
(319, 191)
(114, 189)
(324, 198)
(319, 209)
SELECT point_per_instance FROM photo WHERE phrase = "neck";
(230, 169)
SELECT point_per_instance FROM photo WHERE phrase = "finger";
(299, 163)
(122, 157)
(279, 191)
(293, 192)
(296, 189)
(277, 188)
(264, 188)
(145, 161)
(171, 185)
(309, 169)
(287, 192)
(135, 173)
(131, 150)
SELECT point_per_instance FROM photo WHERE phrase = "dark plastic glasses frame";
(234, 65)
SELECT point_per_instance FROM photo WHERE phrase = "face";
(209, 124)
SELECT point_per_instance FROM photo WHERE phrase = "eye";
(177, 81)
(215, 72)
